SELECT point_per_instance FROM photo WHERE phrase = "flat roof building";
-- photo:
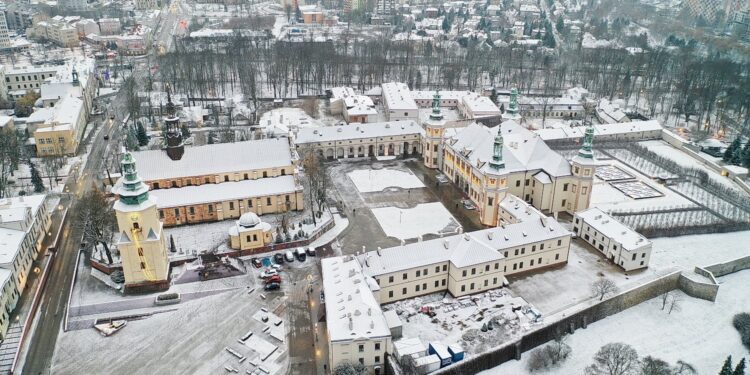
(616, 241)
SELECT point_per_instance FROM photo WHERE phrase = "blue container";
(266, 262)
(457, 353)
(441, 351)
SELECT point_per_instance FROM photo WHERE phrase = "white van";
(301, 254)
(289, 256)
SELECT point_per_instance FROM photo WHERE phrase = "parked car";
(289, 256)
(442, 179)
(106, 137)
(300, 253)
(268, 273)
(277, 267)
(272, 286)
(278, 258)
(273, 279)
(310, 251)
(256, 262)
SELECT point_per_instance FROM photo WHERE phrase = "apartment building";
(5, 42)
(398, 102)
(62, 133)
(616, 241)
(20, 80)
(24, 222)
(57, 31)
(110, 26)
(357, 328)
(485, 163)
(355, 141)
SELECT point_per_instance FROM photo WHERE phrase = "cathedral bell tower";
(140, 241)
(175, 148)
(583, 168)
(432, 143)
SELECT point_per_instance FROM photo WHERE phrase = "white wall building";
(616, 241)
(398, 102)
(24, 221)
(354, 141)
(357, 329)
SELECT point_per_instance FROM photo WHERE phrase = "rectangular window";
(463, 288)
(445, 267)
(403, 291)
(416, 288)
(559, 242)
(192, 210)
(471, 286)
(390, 294)
(249, 203)
(473, 271)
(487, 268)
(539, 261)
(255, 237)
(405, 276)
(442, 282)
(437, 269)
(557, 256)
(231, 205)
(424, 272)
(463, 273)
(520, 265)
(490, 201)
(531, 263)
(494, 281)
(390, 279)
(643, 255)
(210, 208)
(437, 283)
(565, 187)
(247, 238)
(514, 266)
(634, 255)
(506, 254)
(161, 214)
(177, 212)
(268, 201)
(377, 359)
(516, 252)
(424, 286)
(533, 248)
(419, 273)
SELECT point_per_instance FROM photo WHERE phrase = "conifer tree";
(36, 179)
(727, 368)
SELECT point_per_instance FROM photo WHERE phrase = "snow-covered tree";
(614, 359)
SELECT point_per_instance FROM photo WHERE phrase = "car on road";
(278, 258)
(468, 205)
(273, 279)
(106, 137)
(289, 256)
(272, 286)
(300, 253)
(268, 273)
(276, 266)
(112, 117)
(310, 251)
(442, 179)
(256, 263)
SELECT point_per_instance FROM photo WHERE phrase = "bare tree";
(664, 300)
(674, 303)
(9, 158)
(603, 287)
(310, 106)
(614, 359)
(96, 218)
(317, 180)
(654, 366)
(684, 368)
(550, 355)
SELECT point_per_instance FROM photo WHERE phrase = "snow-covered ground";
(668, 151)
(281, 121)
(608, 198)
(369, 180)
(700, 332)
(406, 223)
(459, 320)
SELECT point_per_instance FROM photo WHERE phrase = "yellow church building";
(141, 241)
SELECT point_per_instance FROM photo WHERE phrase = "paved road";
(55, 296)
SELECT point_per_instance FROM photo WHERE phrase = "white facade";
(616, 241)
(24, 222)
(354, 141)
(398, 102)
(357, 328)
(4, 38)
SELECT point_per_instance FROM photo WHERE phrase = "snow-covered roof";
(352, 313)
(480, 105)
(613, 229)
(214, 159)
(462, 250)
(40, 115)
(444, 95)
(12, 227)
(408, 346)
(523, 150)
(225, 191)
(351, 132)
(573, 132)
(397, 96)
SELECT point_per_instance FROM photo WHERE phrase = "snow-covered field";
(406, 223)
(668, 151)
(700, 333)
(370, 180)
(606, 197)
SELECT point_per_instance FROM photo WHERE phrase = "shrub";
(741, 322)
(167, 296)
(548, 356)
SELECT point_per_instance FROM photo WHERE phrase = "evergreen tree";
(740, 369)
(185, 131)
(172, 246)
(727, 368)
(446, 25)
(731, 150)
(141, 135)
(560, 25)
(746, 155)
(36, 179)
(493, 96)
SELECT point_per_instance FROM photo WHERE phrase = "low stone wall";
(698, 289)
(725, 268)
(567, 324)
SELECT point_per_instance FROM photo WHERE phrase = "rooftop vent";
(524, 233)
(489, 236)
(446, 244)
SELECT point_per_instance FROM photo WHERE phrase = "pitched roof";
(225, 191)
(214, 159)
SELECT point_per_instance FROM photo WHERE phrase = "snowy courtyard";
(699, 332)
(371, 180)
(405, 223)
(459, 320)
